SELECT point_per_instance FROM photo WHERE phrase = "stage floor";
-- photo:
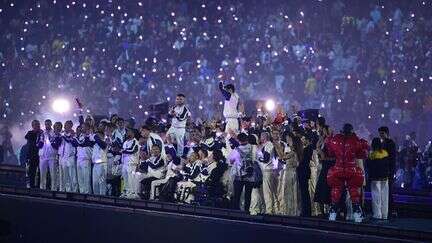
(414, 221)
(420, 224)
(22, 208)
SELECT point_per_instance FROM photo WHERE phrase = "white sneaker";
(358, 217)
(124, 195)
(133, 195)
(332, 216)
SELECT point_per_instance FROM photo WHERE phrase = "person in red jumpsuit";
(346, 148)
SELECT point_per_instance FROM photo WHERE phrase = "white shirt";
(47, 151)
(130, 158)
(99, 155)
(66, 149)
(181, 113)
(83, 153)
(231, 107)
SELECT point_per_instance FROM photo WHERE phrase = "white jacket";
(84, 148)
(158, 172)
(180, 117)
(100, 149)
(231, 107)
(130, 154)
(66, 149)
(46, 150)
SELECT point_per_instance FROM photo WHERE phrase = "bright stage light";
(61, 105)
(270, 105)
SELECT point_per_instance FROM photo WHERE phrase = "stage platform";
(36, 215)
(413, 224)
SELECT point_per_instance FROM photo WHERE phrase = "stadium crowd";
(367, 61)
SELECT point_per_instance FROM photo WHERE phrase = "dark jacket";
(378, 165)
(32, 149)
(390, 147)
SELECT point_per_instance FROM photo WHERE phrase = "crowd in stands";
(369, 61)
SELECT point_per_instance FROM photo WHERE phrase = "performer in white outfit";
(268, 164)
(288, 182)
(173, 169)
(84, 152)
(179, 113)
(48, 144)
(67, 152)
(99, 159)
(130, 159)
(231, 110)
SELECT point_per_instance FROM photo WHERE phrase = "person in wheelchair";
(189, 173)
(160, 189)
(209, 188)
(150, 170)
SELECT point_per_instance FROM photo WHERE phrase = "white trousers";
(257, 201)
(288, 193)
(134, 181)
(270, 185)
(99, 178)
(228, 182)
(380, 194)
(84, 175)
(131, 179)
(155, 184)
(68, 175)
(233, 124)
(52, 166)
(179, 135)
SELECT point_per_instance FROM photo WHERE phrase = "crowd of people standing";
(274, 163)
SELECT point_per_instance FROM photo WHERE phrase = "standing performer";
(179, 113)
(48, 144)
(33, 156)
(67, 161)
(346, 148)
(130, 160)
(390, 146)
(99, 159)
(84, 157)
(231, 107)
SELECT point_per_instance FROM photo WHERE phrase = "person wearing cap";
(180, 114)
(346, 147)
(231, 109)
